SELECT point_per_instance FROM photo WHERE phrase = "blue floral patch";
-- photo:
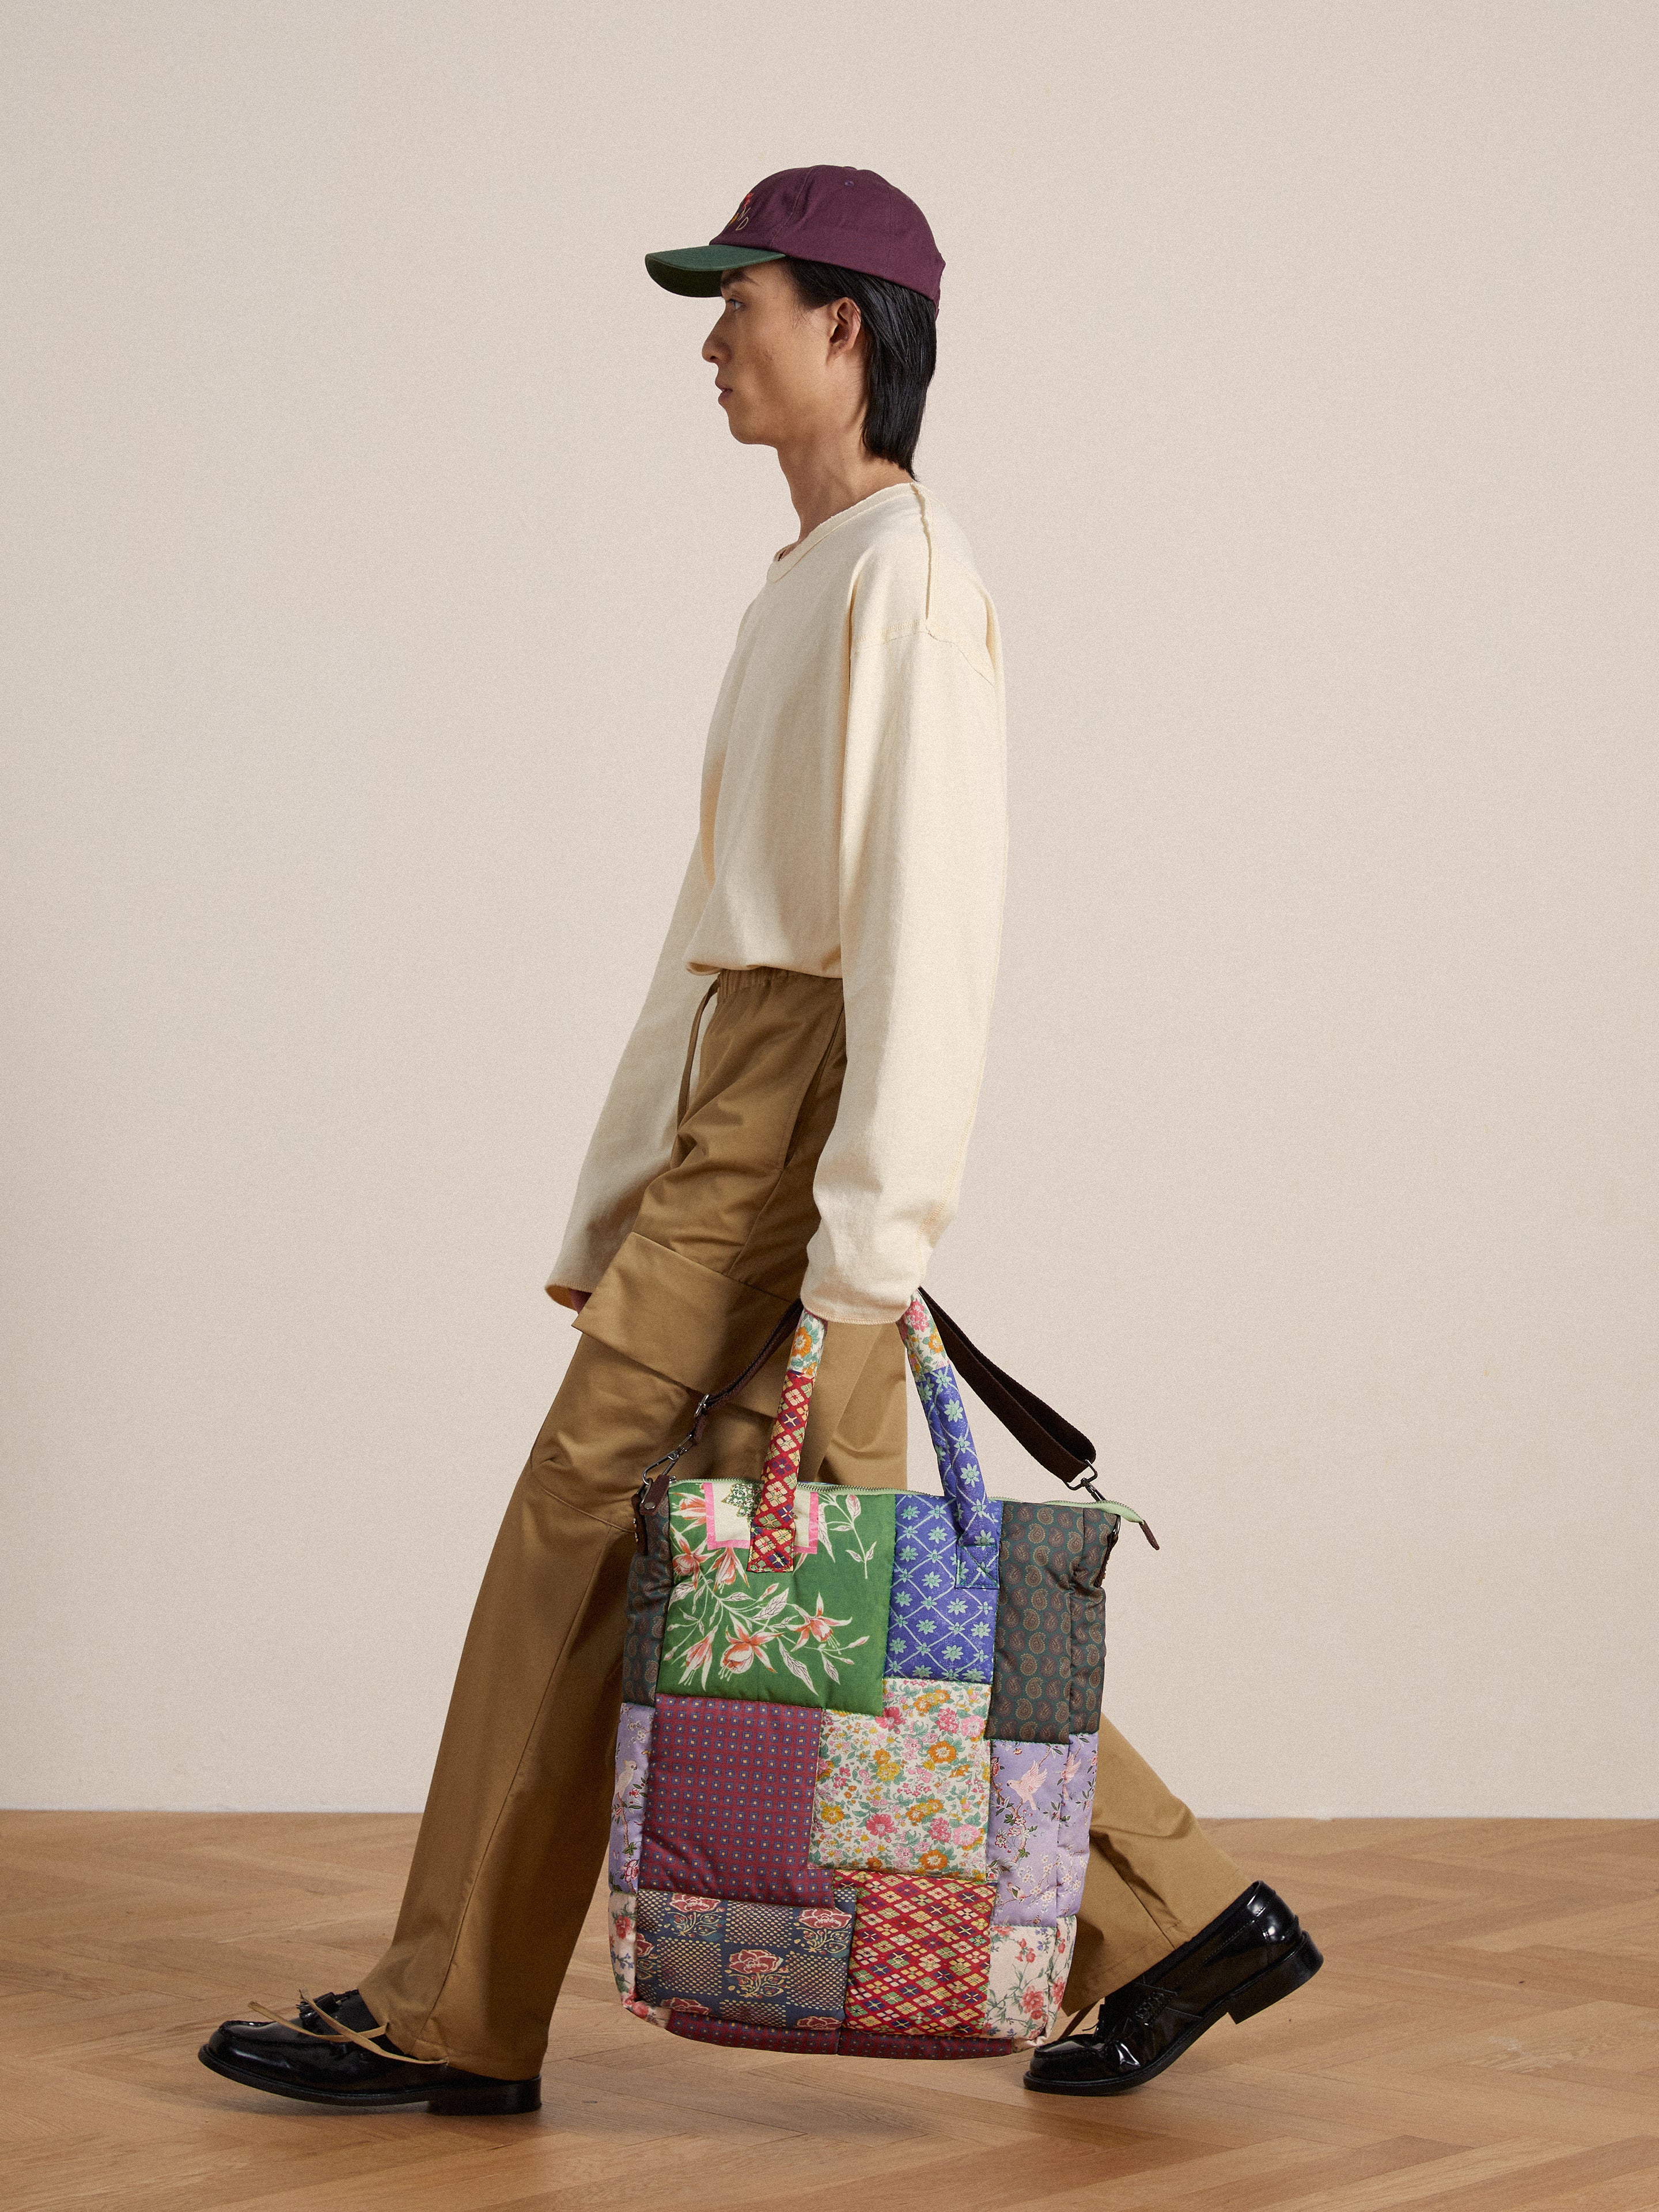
(943, 1622)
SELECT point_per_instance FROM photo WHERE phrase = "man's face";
(782, 372)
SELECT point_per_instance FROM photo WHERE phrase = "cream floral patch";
(1028, 1968)
(907, 1791)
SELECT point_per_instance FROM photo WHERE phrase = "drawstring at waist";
(738, 978)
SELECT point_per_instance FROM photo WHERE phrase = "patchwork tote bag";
(856, 1759)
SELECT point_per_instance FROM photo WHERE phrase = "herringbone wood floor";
(1485, 2038)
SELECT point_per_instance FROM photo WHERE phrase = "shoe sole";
(489, 2097)
(1254, 1996)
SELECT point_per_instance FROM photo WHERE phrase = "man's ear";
(847, 328)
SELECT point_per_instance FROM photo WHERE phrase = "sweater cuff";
(581, 1265)
(863, 1311)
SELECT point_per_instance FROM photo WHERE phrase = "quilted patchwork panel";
(920, 1963)
(620, 1927)
(1077, 1815)
(1065, 1944)
(634, 1752)
(943, 1623)
(729, 1802)
(909, 1791)
(822, 2042)
(814, 1636)
(1042, 1799)
(1099, 1534)
(1025, 1977)
(855, 2043)
(766, 1965)
(1051, 1625)
(650, 1578)
(1024, 1842)
(846, 2041)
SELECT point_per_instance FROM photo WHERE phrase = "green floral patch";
(816, 1636)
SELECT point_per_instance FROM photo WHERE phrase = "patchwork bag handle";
(772, 1529)
(946, 1422)
(938, 1349)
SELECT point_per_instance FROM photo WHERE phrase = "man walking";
(841, 910)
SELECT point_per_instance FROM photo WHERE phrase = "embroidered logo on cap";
(742, 214)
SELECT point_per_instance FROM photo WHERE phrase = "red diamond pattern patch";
(921, 1955)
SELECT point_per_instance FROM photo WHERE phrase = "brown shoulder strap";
(1048, 1436)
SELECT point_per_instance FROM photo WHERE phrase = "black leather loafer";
(278, 2056)
(1248, 1958)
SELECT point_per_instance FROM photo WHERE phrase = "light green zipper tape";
(1124, 1513)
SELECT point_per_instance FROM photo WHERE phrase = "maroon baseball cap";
(851, 217)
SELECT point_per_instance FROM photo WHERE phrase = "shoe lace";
(342, 2033)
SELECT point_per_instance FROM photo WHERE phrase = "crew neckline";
(781, 562)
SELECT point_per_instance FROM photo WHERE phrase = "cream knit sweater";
(854, 824)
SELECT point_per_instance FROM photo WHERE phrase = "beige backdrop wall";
(373, 550)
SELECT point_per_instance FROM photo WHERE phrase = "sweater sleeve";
(634, 1136)
(923, 873)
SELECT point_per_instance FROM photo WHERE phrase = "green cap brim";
(696, 270)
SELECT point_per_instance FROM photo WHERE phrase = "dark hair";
(899, 352)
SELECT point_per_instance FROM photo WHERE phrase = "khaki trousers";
(514, 1835)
